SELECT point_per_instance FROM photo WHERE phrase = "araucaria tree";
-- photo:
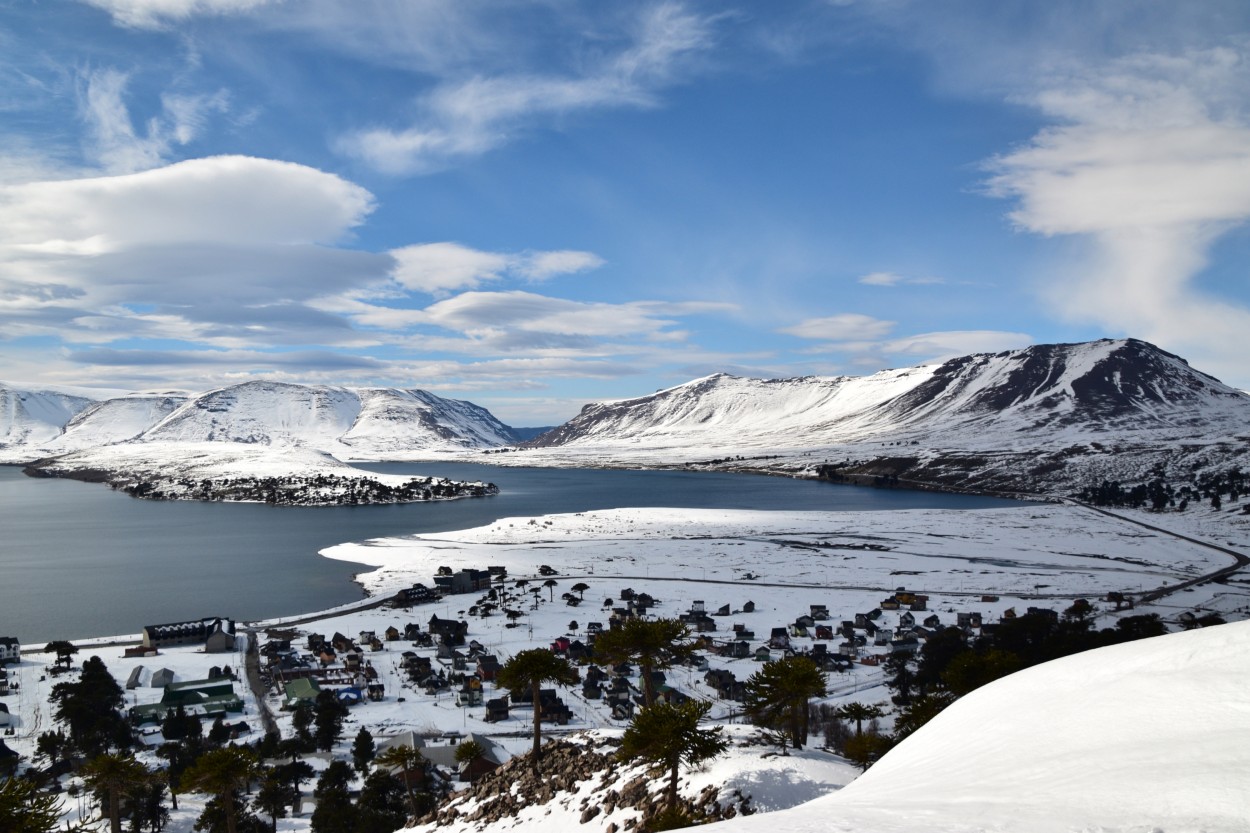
(777, 695)
(24, 809)
(670, 735)
(112, 776)
(222, 773)
(651, 643)
(526, 672)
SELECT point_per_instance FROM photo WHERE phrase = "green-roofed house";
(302, 690)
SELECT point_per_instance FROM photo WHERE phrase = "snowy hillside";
(366, 423)
(30, 417)
(1045, 395)
(1145, 736)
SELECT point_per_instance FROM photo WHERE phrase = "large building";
(217, 634)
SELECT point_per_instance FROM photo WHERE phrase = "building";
(190, 633)
(10, 650)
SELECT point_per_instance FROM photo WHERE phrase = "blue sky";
(532, 205)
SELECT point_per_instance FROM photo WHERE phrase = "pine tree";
(651, 643)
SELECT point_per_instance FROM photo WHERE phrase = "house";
(132, 682)
(723, 610)
(820, 612)
(450, 631)
(496, 710)
(762, 654)
(466, 581)
(749, 607)
(697, 606)
(392, 634)
(740, 649)
(487, 667)
(824, 632)
(415, 595)
(779, 639)
(221, 641)
(376, 692)
(412, 631)
(932, 621)
(161, 678)
(907, 621)
(805, 622)
(973, 620)
(188, 633)
(300, 690)
(726, 685)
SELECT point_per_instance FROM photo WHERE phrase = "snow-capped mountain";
(346, 422)
(1041, 396)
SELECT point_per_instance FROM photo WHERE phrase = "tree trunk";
(538, 718)
(672, 787)
(648, 685)
(115, 810)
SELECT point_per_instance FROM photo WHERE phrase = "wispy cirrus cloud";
(470, 117)
(156, 14)
(894, 279)
(115, 144)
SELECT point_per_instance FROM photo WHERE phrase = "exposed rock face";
(622, 796)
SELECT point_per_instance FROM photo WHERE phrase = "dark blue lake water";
(79, 559)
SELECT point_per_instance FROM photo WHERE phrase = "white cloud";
(164, 251)
(154, 14)
(117, 147)
(473, 116)
(443, 267)
(1149, 160)
(490, 314)
(892, 279)
(945, 345)
(848, 326)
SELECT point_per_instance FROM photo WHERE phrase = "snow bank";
(1146, 736)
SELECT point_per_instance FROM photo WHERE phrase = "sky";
(535, 205)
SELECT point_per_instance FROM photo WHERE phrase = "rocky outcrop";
(622, 796)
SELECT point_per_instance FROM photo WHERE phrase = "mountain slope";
(29, 417)
(1048, 395)
(349, 423)
(1148, 735)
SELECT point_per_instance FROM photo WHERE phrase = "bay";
(80, 560)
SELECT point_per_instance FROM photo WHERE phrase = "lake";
(79, 560)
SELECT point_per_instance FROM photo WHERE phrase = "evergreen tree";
(363, 750)
(223, 773)
(654, 644)
(111, 777)
(859, 712)
(24, 809)
(407, 761)
(777, 695)
(334, 813)
(669, 735)
(328, 717)
(274, 796)
(527, 671)
(381, 808)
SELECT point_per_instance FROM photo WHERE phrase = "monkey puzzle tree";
(670, 735)
(111, 776)
(777, 695)
(651, 643)
(24, 809)
(526, 672)
(222, 773)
